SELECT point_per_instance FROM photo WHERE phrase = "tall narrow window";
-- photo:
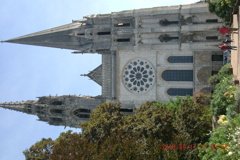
(57, 103)
(211, 20)
(180, 91)
(103, 33)
(85, 110)
(123, 40)
(217, 57)
(180, 59)
(81, 113)
(56, 111)
(166, 38)
(165, 22)
(212, 38)
(122, 25)
(126, 110)
(178, 75)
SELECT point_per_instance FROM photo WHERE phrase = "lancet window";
(178, 75)
(180, 91)
(166, 38)
(180, 59)
(82, 113)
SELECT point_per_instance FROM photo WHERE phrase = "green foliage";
(40, 150)
(153, 132)
(222, 8)
(70, 146)
(104, 120)
(223, 96)
(224, 72)
(224, 143)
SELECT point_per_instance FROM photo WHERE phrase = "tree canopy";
(222, 8)
(155, 131)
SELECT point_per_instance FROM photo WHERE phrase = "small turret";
(95, 75)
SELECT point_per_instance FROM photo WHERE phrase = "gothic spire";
(17, 106)
(65, 37)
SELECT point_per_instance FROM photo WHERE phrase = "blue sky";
(28, 72)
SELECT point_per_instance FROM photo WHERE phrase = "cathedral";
(147, 54)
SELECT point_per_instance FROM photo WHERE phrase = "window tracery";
(82, 113)
(138, 76)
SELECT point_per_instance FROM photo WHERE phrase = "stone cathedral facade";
(147, 54)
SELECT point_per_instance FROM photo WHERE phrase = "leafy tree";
(40, 150)
(71, 146)
(222, 8)
(156, 131)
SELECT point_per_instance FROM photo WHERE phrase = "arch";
(167, 38)
(180, 59)
(104, 33)
(57, 102)
(180, 91)
(178, 75)
(56, 111)
(82, 113)
(203, 74)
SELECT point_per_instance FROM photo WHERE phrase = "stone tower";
(147, 54)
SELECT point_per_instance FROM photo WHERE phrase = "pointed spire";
(65, 37)
(17, 106)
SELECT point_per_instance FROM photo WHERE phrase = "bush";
(223, 96)
(224, 143)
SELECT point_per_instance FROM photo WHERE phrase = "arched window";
(56, 111)
(123, 40)
(165, 22)
(104, 33)
(180, 91)
(178, 75)
(180, 59)
(166, 38)
(82, 113)
(57, 103)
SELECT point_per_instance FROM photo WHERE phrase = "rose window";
(138, 76)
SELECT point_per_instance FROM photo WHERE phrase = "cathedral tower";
(147, 54)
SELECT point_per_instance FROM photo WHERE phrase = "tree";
(71, 146)
(155, 131)
(40, 150)
(222, 8)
